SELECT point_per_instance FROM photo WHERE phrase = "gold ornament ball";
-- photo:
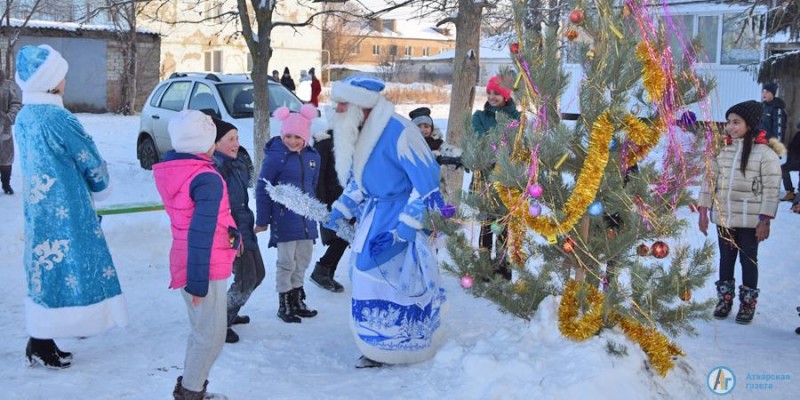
(687, 295)
(590, 55)
(568, 246)
(571, 34)
(642, 250)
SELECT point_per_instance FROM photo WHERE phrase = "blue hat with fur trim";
(39, 69)
(362, 90)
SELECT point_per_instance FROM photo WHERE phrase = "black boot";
(5, 178)
(321, 277)
(748, 297)
(63, 355)
(337, 287)
(286, 309)
(364, 362)
(241, 320)
(43, 351)
(725, 293)
(300, 307)
(231, 336)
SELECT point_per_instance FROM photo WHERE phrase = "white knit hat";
(39, 69)
(361, 90)
(191, 131)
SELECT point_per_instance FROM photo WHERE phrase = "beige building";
(216, 45)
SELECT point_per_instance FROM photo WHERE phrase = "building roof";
(72, 26)
(494, 47)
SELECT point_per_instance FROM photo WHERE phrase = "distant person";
(73, 287)
(304, 76)
(498, 101)
(10, 103)
(205, 242)
(445, 153)
(774, 119)
(289, 160)
(248, 267)
(742, 197)
(276, 75)
(316, 87)
(328, 190)
(287, 81)
(792, 164)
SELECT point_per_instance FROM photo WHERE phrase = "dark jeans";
(741, 242)
(248, 273)
(792, 164)
(333, 253)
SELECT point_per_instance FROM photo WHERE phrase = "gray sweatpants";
(208, 324)
(293, 260)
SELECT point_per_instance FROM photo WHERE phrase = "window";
(157, 94)
(680, 38)
(426, 51)
(175, 96)
(741, 42)
(393, 50)
(203, 99)
(409, 51)
(213, 9)
(708, 33)
(213, 60)
(442, 50)
(376, 49)
(356, 49)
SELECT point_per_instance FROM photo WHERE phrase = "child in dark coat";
(248, 267)
(289, 160)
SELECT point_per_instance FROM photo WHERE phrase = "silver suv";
(229, 97)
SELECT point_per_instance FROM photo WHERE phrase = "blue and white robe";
(397, 295)
(73, 289)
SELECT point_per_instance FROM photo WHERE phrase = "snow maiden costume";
(392, 180)
(73, 288)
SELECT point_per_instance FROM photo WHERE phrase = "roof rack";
(206, 75)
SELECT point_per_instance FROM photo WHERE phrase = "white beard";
(346, 129)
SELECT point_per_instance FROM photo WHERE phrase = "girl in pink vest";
(204, 242)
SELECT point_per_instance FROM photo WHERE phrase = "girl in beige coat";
(742, 195)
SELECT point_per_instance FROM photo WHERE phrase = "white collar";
(42, 98)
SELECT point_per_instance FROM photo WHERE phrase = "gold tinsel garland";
(592, 320)
(659, 348)
(653, 78)
(586, 185)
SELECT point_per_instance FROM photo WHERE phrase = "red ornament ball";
(467, 281)
(660, 249)
(576, 17)
(686, 296)
(514, 48)
(568, 246)
(642, 250)
(571, 34)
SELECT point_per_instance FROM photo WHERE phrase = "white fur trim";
(321, 135)
(410, 221)
(50, 323)
(346, 93)
(370, 133)
(42, 98)
(412, 146)
(52, 71)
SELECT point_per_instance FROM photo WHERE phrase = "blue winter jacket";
(237, 177)
(282, 166)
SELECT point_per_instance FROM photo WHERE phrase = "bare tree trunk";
(465, 69)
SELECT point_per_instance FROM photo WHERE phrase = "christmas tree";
(587, 216)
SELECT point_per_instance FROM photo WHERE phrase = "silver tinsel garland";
(301, 203)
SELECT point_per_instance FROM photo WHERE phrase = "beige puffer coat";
(736, 200)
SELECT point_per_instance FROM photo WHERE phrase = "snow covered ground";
(487, 355)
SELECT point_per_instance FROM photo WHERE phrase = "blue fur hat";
(39, 68)
(360, 90)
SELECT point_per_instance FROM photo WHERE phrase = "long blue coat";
(73, 289)
(397, 293)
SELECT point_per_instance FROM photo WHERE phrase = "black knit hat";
(750, 111)
(772, 87)
(222, 128)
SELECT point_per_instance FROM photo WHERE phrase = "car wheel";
(147, 153)
(248, 161)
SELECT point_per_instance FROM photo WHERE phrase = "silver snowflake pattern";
(83, 156)
(62, 212)
(48, 253)
(40, 185)
(108, 272)
(99, 174)
(98, 231)
(72, 281)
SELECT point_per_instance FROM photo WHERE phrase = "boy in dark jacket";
(773, 120)
(248, 267)
(328, 190)
(289, 160)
